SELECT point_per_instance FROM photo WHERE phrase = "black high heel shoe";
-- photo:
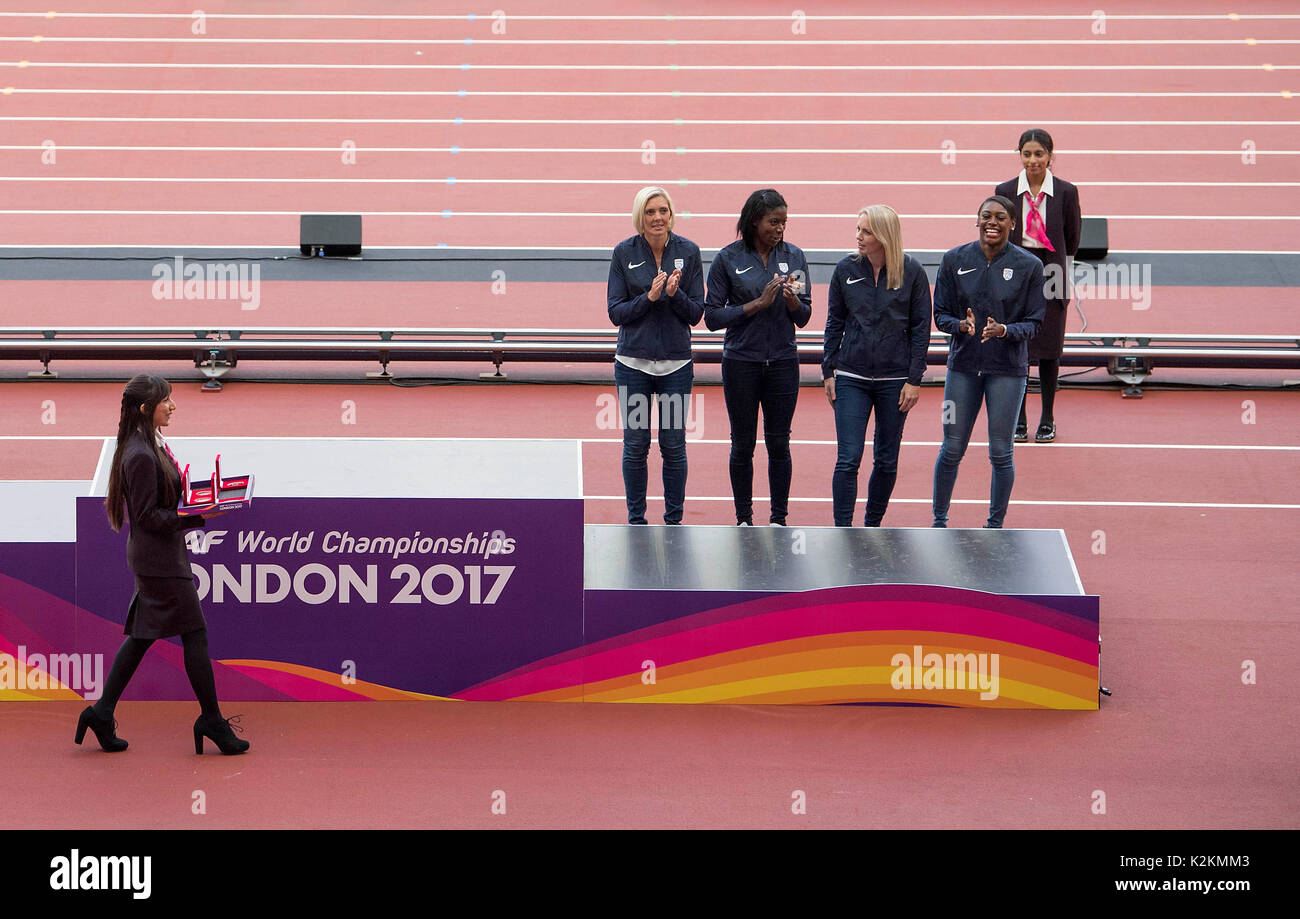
(105, 731)
(218, 731)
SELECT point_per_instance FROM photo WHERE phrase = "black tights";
(198, 668)
(1048, 372)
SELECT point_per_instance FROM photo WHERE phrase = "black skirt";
(163, 607)
(1050, 340)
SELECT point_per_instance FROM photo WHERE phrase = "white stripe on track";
(551, 215)
(675, 122)
(670, 17)
(682, 151)
(727, 443)
(984, 502)
(644, 42)
(565, 68)
(659, 94)
(855, 183)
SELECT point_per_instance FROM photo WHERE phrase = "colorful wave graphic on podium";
(882, 645)
(856, 645)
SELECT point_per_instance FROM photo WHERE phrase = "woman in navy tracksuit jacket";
(877, 337)
(759, 293)
(989, 298)
(655, 294)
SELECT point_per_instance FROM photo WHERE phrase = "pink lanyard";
(1034, 222)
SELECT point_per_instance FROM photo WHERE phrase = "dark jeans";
(672, 393)
(773, 386)
(854, 400)
(962, 395)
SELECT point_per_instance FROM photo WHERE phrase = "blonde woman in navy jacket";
(877, 337)
(1054, 238)
(655, 295)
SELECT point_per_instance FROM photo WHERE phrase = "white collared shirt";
(1026, 240)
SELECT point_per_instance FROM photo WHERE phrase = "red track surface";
(1185, 594)
(1188, 591)
(445, 125)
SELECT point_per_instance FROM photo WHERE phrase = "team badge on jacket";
(679, 263)
(784, 266)
(1006, 274)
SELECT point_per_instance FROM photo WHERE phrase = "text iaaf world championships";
(486, 544)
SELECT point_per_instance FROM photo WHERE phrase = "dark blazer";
(1064, 221)
(155, 544)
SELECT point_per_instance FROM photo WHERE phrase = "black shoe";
(1046, 433)
(1022, 433)
(218, 731)
(105, 731)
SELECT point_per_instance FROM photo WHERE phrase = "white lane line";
(851, 151)
(748, 183)
(675, 122)
(601, 250)
(671, 68)
(551, 215)
(660, 94)
(670, 17)
(984, 501)
(642, 42)
(711, 442)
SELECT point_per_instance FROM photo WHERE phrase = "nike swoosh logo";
(637, 265)
(738, 271)
(962, 271)
(854, 281)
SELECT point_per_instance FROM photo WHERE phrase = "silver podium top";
(782, 559)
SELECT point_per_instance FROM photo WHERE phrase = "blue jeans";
(962, 394)
(773, 385)
(672, 393)
(854, 400)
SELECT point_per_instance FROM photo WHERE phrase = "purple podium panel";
(361, 598)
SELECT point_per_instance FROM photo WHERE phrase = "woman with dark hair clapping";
(144, 488)
(989, 298)
(758, 291)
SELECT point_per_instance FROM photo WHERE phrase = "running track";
(1193, 503)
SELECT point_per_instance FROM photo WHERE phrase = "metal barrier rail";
(1128, 356)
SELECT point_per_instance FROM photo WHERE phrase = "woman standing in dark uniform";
(758, 291)
(655, 294)
(1048, 226)
(145, 479)
(875, 345)
(989, 298)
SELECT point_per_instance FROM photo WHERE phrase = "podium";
(462, 569)
(826, 615)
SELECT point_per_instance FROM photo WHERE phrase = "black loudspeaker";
(1093, 244)
(329, 234)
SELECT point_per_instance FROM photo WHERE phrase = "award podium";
(462, 569)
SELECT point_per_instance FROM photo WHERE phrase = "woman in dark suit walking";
(1048, 224)
(144, 481)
